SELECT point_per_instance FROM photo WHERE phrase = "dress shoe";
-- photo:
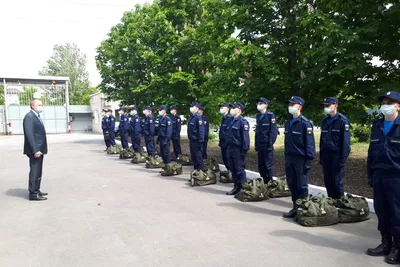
(233, 191)
(42, 194)
(36, 198)
(394, 255)
(292, 213)
(384, 248)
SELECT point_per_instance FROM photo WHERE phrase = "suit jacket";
(35, 135)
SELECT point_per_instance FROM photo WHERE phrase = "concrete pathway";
(103, 211)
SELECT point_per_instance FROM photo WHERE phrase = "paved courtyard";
(103, 211)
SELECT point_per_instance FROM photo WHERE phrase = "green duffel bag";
(225, 177)
(202, 178)
(154, 163)
(139, 158)
(185, 160)
(114, 149)
(253, 190)
(126, 153)
(352, 209)
(211, 164)
(278, 188)
(316, 211)
(171, 169)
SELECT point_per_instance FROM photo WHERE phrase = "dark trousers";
(387, 202)
(225, 156)
(124, 140)
(165, 149)
(149, 141)
(196, 152)
(266, 163)
(112, 138)
(297, 178)
(176, 143)
(236, 164)
(135, 139)
(35, 174)
(333, 174)
(107, 139)
(205, 145)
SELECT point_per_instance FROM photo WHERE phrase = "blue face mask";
(39, 109)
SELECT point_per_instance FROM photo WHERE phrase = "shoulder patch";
(151, 121)
(169, 123)
(126, 119)
(273, 120)
(200, 122)
(205, 122)
(309, 130)
(112, 119)
(246, 127)
(347, 127)
(178, 120)
(137, 120)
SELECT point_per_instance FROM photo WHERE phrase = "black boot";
(234, 191)
(384, 248)
(394, 255)
(267, 179)
(292, 213)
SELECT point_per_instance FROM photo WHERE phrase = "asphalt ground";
(103, 211)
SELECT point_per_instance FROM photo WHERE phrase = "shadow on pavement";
(281, 202)
(210, 190)
(181, 178)
(366, 228)
(350, 244)
(250, 208)
(89, 141)
(18, 192)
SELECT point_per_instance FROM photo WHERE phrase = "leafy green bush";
(212, 136)
(353, 140)
(361, 132)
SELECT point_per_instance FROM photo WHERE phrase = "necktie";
(40, 119)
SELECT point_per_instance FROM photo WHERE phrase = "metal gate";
(52, 91)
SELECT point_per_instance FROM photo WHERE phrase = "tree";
(67, 60)
(2, 102)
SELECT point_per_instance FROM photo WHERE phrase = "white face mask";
(234, 111)
(39, 109)
(328, 110)
(260, 107)
(293, 110)
(173, 112)
(132, 112)
(192, 110)
(387, 110)
(160, 113)
(108, 114)
(222, 111)
(145, 112)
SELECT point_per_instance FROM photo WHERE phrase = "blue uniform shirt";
(335, 136)
(165, 129)
(149, 125)
(104, 123)
(206, 128)
(135, 125)
(124, 124)
(110, 123)
(387, 126)
(299, 140)
(384, 150)
(266, 130)
(238, 134)
(223, 129)
(196, 128)
(176, 125)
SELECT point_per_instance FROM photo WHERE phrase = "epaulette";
(304, 119)
(340, 115)
(270, 113)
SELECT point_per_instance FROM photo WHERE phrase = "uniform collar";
(396, 121)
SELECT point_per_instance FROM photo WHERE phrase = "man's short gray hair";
(33, 101)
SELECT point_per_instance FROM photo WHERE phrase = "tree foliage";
(68, 60)
(174, 52)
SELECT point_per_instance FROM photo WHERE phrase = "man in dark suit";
(35, 147)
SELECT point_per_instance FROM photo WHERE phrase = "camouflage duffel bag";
(126, 153)
(139, 158)
(114, 149)
(172, 169)
(352, 209)
(211, 164)
(278, 188)
(316, 211)
(153, 163)
(225, 177)
(185, 160)
(253, 190)
(202, 178)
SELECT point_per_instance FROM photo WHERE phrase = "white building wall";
(97, 104)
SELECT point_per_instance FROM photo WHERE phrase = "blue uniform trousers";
(165, 149)
(136, 143)
(176, 143)
(196, 152)
(333, 174)
(107, 138)
(112, 138)
(124, 140)
(297, 178)
(149, 141)
(225, 156)
(236, 164)
(386, 187)
(266, 163)
(204, 154)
